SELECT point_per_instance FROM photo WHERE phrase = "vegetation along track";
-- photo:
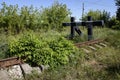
(16, 60)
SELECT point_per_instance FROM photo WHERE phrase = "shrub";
(114, 23)
(53, 52)
(117, 25)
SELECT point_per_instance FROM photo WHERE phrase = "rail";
(10, 61)
(89, 42)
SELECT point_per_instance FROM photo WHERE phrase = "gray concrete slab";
(26, 68)
(4, 75)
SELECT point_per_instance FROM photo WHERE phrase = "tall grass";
(3, 45)
(102, 64)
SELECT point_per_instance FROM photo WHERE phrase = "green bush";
(42, 51)
(114, 23)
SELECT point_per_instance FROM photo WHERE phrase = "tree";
(8, 17)
(98, 15)
(53, 16)
(114, 23)
(118, 9)
(14, 19)
(95, 15)
(106, 17)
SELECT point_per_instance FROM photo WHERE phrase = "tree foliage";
(14, 19)
(118, 9)
(114, 23)
(98, 15)
(53, 16)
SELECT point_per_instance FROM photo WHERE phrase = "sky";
(75, 6)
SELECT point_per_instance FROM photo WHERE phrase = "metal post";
(90, 32)
(72, 28)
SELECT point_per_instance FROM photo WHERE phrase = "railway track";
(16, 60)
(10, 62)
(92, 45)
(87, 43)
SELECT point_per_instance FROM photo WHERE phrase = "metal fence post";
(89, 26)
(72, 28)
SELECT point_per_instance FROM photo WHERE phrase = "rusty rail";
(89, 42)
(10, 61)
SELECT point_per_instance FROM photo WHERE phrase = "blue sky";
(74, 5)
